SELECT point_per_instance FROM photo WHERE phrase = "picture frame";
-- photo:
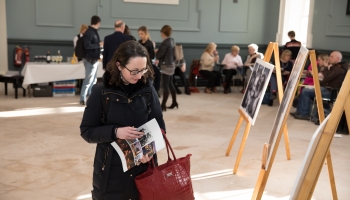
(348, 8)
(286, 101)
(255, 90)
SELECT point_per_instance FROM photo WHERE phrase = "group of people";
(232, 63)
(162, 58)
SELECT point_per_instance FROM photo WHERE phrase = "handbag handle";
(168, 146)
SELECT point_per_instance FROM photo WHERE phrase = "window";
(294, 15)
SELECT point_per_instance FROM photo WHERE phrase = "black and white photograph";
(286, 100)
(256, 88)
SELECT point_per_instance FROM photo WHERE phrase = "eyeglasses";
(135, 72)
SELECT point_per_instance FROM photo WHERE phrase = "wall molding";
(222, 28)
(262, 47)
(333, 18)
(54, 24)
(156, 28)
(152, 18)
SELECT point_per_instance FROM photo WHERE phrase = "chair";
(16, 80)
(330, 100)
(194, 74)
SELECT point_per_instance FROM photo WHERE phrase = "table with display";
(35, 72)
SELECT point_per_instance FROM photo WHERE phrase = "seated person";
(180, 69)
(322, 61)
(207, 68)
(286, 68)
(231, 62)
(249, 63)
(331, 77)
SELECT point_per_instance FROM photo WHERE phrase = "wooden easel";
(321, 117)
(313, 170)
(264, 174)
(272, 48)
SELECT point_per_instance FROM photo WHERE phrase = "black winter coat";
(127, 107)
(111, 44)
(92, 44)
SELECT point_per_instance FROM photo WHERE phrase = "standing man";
(293, 45)
(92, 54)
(113, 41)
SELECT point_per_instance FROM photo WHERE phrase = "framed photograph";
(254, 93)
(348, 8)
(286, 100)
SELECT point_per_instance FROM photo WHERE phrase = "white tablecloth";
(42, 72)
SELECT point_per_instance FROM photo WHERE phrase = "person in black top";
(180, 69)
(127, 82)
(166, 57)
(145, 40)
(286, 68)
(293, 45)
(92, 46)
(113, 41)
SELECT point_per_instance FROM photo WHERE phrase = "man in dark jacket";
(331, 77)
(92, 54)
(293, 45)
(113, 41)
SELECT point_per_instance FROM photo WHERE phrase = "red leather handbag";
(170, 181)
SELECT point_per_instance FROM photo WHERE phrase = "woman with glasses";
(165, 55)
(126, 101)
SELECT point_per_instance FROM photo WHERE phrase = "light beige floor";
(42, 155)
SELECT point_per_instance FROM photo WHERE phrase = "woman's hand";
(145, 158)
(128, 133)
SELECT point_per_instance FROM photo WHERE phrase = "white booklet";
(131, 151)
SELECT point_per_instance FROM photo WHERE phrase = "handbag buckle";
(169, 174)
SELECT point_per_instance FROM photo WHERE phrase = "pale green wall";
(331, 25)
(193, 21)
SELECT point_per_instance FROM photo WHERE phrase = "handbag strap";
(168, 146)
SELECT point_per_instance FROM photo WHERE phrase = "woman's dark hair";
(127, 30)
(166, 30)
(127, 50)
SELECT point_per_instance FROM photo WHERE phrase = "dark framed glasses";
(135, 72)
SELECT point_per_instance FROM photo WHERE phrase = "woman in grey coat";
(165, 55)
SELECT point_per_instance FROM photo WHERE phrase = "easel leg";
(331, 175)
(286, 142)
(234, 135)
(241, 148)
(258, 192)
(347, 111)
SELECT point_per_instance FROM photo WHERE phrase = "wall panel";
(54, 13)
(234, 17)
